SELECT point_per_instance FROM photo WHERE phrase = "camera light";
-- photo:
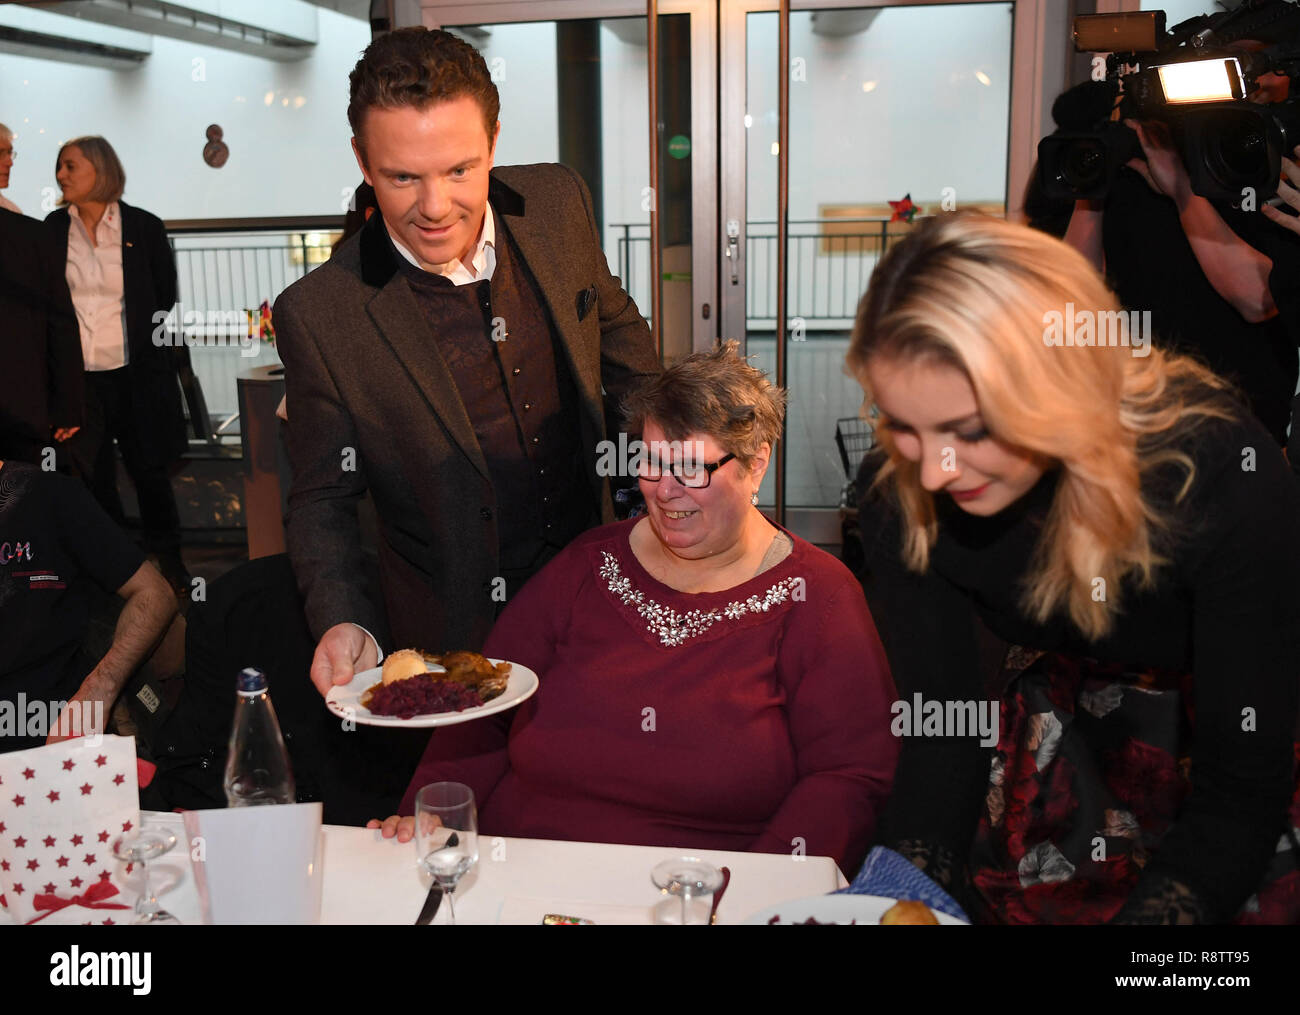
(1201, 81)
(1133, 32)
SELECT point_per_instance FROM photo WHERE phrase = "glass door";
(942, 103)
(894, 110)
(574, 86)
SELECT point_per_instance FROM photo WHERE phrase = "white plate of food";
(415, 689)
(849, 909)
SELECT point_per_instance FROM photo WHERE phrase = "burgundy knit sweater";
(740, 728)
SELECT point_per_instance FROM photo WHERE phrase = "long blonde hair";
(979, 294)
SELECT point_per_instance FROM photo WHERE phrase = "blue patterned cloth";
(887, 873)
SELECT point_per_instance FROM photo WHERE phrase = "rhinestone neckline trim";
(673, 628)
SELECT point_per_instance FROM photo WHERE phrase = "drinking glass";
(446, 837)
(691, 880)
(139, 848)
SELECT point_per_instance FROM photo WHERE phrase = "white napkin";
(257, 865)
(61, 808)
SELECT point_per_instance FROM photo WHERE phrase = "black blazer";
(41, 383)
(149, 284)
(373, 406)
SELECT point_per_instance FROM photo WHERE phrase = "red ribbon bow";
(91, 898)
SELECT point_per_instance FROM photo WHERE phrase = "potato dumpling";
(402, 664)
(908, 913)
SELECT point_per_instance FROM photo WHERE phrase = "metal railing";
(231, 267)
(831, 260)
(225, 270)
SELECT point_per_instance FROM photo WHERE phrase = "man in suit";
(41, 383)
(457, 358)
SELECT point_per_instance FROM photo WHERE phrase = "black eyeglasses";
(694, 476)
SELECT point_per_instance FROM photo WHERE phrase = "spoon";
(717, 896)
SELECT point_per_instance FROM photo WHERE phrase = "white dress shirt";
(98, 293)
(481, 265)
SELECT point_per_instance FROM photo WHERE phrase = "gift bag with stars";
(62, 806)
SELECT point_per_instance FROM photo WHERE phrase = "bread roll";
(908, 913)
(402, 664)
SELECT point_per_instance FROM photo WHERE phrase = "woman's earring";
(753, 498)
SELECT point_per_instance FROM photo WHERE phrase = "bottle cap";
(251, 681)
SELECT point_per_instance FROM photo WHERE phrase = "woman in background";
(1113, 513)
(122, 274)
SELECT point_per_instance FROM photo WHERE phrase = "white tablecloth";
(372, 880)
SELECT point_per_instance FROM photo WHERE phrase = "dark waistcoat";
(501, 347)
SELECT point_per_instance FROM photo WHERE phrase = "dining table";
(367, 879)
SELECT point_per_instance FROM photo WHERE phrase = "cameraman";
(1205, 270)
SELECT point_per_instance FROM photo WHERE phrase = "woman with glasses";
(708, 679)
(1113, 515)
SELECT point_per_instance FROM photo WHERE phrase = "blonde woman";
(122, 274)
(1112, 513)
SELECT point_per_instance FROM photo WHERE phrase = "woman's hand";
(402, 827)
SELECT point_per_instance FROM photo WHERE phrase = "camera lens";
(1237, 153)
(1083, 164)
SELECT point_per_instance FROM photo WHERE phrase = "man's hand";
(1163, 167)
(343, 650)
(149, 609)
(1236, 270)
(85, 715)
(1286, 190)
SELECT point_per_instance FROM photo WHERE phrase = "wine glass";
(446, 836)
(692, 880)
(139, 847)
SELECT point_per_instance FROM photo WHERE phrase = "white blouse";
(94, 275)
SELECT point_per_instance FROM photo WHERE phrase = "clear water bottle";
(257, 766)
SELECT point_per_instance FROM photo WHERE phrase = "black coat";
(149, 285)
(41, 382)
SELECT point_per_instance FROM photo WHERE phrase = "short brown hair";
(715, 393)
(110, 177)
(418, 67)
